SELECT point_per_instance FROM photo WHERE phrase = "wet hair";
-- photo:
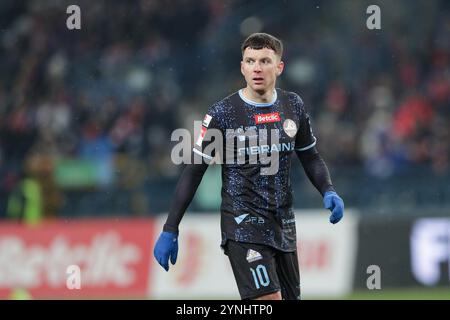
(259, 41)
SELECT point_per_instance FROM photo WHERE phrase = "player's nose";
(257, 68)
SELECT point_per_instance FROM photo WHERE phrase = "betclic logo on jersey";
(267, 118)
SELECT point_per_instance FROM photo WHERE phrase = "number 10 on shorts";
(260, 276)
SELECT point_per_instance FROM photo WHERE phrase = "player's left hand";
(335, 204)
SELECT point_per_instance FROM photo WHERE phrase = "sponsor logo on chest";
(267, 118)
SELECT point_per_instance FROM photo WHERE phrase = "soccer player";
(257, 220)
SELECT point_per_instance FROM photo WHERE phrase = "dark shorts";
(261, 270)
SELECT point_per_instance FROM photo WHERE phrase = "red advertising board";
(113, 257)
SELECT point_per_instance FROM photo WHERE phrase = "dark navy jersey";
(256, 199)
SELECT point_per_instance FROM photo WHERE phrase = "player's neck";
(257, 97)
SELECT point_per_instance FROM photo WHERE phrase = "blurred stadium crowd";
(109, 95)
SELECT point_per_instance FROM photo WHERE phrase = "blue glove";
(165, 247)
(335, 204)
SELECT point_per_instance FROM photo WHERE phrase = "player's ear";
(242, 68)
(280, 68)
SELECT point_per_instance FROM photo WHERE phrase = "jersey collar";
(259, 104)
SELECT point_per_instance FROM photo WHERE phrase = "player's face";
(261, 68)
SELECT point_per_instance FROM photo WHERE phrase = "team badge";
(290, 127)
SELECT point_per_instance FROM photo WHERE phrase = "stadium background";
(86, 118)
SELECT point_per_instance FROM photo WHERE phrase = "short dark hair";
(261, 40)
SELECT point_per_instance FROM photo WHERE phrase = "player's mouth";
(258, 80)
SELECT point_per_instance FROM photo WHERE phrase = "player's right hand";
(165, 247)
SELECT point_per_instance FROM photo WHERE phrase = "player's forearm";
(184, 193)
(316, 170)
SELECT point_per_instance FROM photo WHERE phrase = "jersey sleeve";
(203, 153)
(207, 143)
(305, 138)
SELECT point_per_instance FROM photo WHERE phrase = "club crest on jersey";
(267, 117)
(253, 255)
(206, 120)
(290, 127)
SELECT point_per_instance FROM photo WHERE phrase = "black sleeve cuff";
(168, 228)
